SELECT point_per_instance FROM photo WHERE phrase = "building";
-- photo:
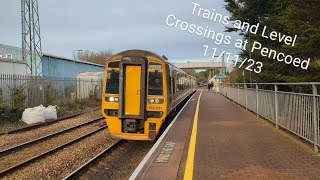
(61, 67)
(9, 66)
(52, 66)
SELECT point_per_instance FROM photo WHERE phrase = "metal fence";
(297, 112)
(33, 91)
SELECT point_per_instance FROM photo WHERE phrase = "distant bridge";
(211, 66)
(199, 65)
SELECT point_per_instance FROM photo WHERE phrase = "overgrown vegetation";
(290, 17)
(48, 94)
(18, 96)
(14, 112)
(99, 57)
(202, 76)
(94, 93)
(77, 106)
(3, 106)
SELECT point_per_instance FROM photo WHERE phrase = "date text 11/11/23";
(252, 65)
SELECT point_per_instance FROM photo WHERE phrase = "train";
(140, 90)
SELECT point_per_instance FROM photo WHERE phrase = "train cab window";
(153, 65)
(155, 83)
(112, 86)
(114, 64)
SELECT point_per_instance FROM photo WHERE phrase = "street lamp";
(74, 60)
(214, 69)
(74, 52)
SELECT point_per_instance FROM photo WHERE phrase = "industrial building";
(52, 66)
(60, 67)
(9, 66)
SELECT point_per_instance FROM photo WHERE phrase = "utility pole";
(31, 39)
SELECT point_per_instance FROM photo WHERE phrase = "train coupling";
(132, 126)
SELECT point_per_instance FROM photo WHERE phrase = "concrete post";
(276, 105)
(245, 87)
(238, 95)
(314, 117)
(257, 102)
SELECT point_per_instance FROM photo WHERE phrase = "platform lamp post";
(236, 18)
(74, 59)
(214, 69)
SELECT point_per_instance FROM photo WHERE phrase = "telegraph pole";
(31, 39)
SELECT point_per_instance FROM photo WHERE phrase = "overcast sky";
(96, 25)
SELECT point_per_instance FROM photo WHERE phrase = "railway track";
(38, 125)
(17, 166)
(82, 169)
(28, 143)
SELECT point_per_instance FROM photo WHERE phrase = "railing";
(297, 112)
(27, 91)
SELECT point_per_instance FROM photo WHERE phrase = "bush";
(48, 95)
(3, 106)
(94, 93)
(18, 97)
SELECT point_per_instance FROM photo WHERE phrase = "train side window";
(169, 87)
(112, 86)
(174, 85)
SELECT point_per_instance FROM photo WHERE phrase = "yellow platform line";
(188, 172)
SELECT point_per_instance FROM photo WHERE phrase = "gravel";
(9, 140)
(121, 163)
(39, 148)
(67, 160)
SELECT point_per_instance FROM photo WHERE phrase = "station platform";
(213, 138)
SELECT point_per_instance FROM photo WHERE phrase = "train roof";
(147, 53)
(141, 52)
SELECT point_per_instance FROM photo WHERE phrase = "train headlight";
(112, 99)
(155, 101)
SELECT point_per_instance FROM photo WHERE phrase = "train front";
(133, 101)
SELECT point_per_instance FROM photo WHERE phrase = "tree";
(95, 57)
(201, 76)
(290, 17)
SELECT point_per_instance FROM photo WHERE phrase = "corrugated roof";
(73, 60)
(12, 61)
(91, 74)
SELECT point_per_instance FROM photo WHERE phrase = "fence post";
(276, 104)
(245, 87)
(233, 96)
(43, 89)
(257, 98)
(64, 90)
(315, 124)
(238, 95)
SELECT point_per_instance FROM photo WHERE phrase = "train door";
(132, 88)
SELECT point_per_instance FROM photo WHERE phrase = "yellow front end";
(121, 107)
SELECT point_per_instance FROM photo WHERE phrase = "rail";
(297, 112)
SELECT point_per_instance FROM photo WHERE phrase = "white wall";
(12, 67)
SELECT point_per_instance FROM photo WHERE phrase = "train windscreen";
(155, 83)
(112, 82)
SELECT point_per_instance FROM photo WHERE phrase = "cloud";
(119, 25)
